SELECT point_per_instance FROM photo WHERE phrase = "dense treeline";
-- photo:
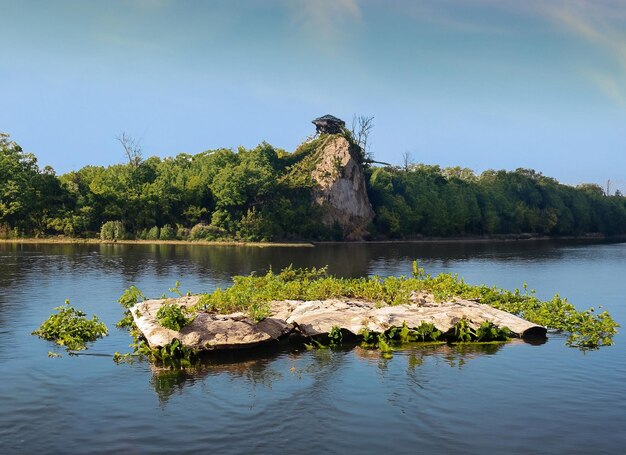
(428, 200)
(264, 194)
(249, 195)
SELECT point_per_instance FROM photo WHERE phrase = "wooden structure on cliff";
(329, 124)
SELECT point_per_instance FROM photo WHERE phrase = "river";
(511, 398)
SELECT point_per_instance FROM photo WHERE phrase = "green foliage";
(423, 333)
(587, 330)
(462, 331)
(369, 338)
(335, 337)
(172, 316)
(70, 328)
(426, 332)
(182, 233)
(129, 298)
(174, 355)
(153, 233)
(113, 230)
(425, 200)
(417, 272)
(167, 233)
(207, 232)
(488, 331)
(176, 289)
(384, 347)
(265, 194)
(252, 294)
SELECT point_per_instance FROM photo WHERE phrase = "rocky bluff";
(340, 189)
(332, 164)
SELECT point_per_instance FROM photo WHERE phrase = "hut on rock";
(329, 124)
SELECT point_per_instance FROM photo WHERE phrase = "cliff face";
(340, 188)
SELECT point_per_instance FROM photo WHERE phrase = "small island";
(302, 307)
(318, 319)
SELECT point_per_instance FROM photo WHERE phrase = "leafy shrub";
(182, 233)
(172, 316)
(113, 230)
(254, 227)
(167, 233)
(174, 355)
(70, 328)
(153, 233)
(5, 230)
(209, 232)
(129, 298)
(199, 232)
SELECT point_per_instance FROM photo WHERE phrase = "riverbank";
(310, 244)
(485, 239)
(66, 240)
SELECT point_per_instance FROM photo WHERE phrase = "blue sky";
(478, 83)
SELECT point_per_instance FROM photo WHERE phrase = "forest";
(264, 194)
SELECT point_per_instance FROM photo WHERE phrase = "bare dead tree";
(407, 160)
(132, 149)
(362, 126)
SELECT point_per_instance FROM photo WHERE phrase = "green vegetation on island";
(264, 194)
(70, 327)
(252, 294)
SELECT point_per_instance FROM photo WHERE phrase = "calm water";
(514, 398)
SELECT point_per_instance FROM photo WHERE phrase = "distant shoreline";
(67, 241)
(311, 244)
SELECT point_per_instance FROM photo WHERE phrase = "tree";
(132, 149)
(361, 128)
(407, 160)
(18, 171)
(591, 189)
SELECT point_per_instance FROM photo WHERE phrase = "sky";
(484, 84)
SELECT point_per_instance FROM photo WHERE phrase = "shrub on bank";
(153, 233)
(182, 233)
(208, 232)
(167, 233)
(113, 230)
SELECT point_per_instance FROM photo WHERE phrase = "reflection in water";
(222, 262)
(318, 364)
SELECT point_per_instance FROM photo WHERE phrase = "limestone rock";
(341, 188)
(211, 331)
(208, 330)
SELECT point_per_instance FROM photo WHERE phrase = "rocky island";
(310, 307)
(315, 319)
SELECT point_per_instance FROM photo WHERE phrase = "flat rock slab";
(211, 331)
(208, 330)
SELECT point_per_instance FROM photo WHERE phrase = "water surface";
(506, 398)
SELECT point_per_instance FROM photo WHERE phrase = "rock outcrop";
(341, 190)
(210, 331)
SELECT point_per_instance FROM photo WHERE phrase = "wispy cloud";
(608, 84)
(601, 23)
(326, 20)
(598, 23)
